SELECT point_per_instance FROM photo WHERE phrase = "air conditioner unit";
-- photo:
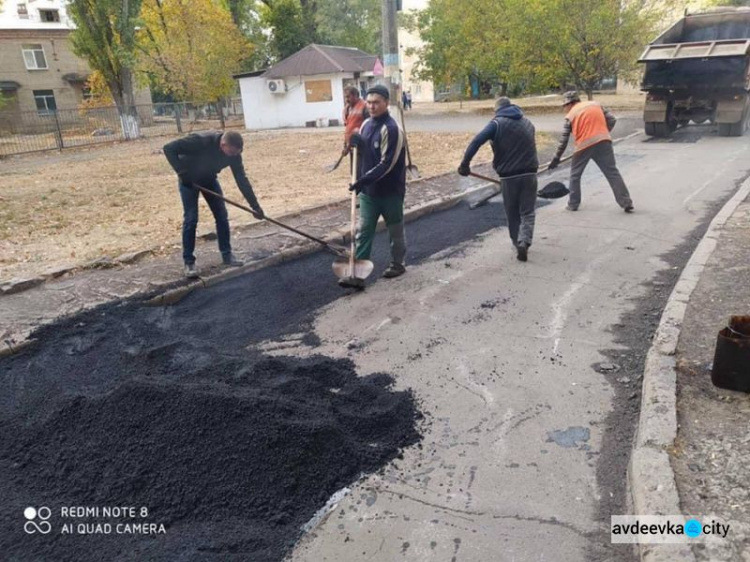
(276, 86)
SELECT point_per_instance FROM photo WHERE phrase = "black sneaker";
(571, 208)
(522, 251)
(190, 271)
(394, 270)
(231, 261)
(629, 209)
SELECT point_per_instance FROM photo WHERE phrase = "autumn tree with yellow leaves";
(191, 48)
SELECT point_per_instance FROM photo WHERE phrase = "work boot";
(394, 270)
(522, 251)
(231, 261)
(190, 271)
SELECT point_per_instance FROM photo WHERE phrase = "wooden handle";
(355, 158)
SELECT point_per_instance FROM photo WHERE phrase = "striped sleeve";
(391, 145)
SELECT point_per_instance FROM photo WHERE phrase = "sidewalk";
(692, 446)
(711, 458)
(30, 303)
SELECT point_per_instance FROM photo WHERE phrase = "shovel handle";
(498, 181)
(406, 140)
(355, 164)
(337, 251)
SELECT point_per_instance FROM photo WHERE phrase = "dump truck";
(698, 70)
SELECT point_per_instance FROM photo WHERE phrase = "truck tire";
(724, 129)
(657, 129)
(734, 129)
(737, 129)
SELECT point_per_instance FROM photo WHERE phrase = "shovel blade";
(362, 269)
(413, 172)
(553, 190)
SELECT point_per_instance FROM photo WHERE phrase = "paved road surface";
(550, 123)
(516, 365)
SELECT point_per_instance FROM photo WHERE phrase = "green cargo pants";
(392, 210)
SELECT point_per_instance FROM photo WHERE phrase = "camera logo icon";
(36, 520)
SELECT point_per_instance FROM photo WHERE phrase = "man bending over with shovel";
(197, 159)
(513, 140)
(382, 183)
(590, 124)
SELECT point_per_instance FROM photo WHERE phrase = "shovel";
(411, 170)
(549, 191)
(331, 167)
(352, 272)
(335, 250)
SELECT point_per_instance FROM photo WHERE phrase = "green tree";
(350, 23)
(280, 28)
(540, 43)
(579, 42)
(463, 40)
(105, 37)
(292, 25)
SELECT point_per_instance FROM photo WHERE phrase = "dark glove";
(554, 163)
(464, 169)
(259, 214)
(356, 140)
(356, 187)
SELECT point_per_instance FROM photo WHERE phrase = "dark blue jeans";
(189, 197)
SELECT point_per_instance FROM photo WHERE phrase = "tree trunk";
(220, 107)
(125, 101)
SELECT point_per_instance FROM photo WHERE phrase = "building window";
(49, 16)
(45, 102)
(33, 56)
(23, 13)
(318, 91)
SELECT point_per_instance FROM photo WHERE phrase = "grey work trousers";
(604, 156)
(519, 199)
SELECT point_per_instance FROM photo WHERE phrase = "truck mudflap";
(655, 111)
(730, 110)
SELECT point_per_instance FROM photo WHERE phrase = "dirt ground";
(67, 209)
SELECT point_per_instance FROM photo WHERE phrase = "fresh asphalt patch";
(207, 449)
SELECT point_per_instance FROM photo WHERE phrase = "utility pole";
(391, 67)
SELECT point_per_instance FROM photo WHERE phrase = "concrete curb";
(650, 474)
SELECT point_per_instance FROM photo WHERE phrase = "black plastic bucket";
(731, 369)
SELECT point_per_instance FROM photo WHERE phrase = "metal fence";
(33, 131)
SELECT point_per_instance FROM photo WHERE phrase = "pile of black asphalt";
(172, 412)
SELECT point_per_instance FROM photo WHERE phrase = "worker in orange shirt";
(590, 124)
(355, 113)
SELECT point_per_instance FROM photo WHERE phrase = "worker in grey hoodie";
(513, 141)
